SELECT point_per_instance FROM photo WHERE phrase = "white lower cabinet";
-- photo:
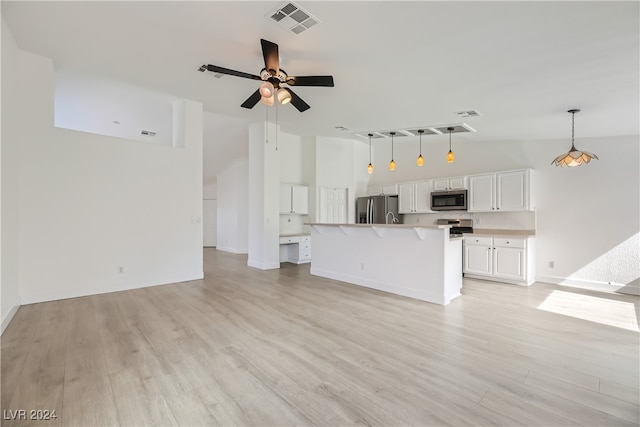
(295, 249)
(503, 259)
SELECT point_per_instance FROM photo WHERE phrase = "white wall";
(91, 103)
(13, 78)
(90, 204)
(233, 207)
(586, 219)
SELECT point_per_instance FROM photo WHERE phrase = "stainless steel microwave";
(454, 200)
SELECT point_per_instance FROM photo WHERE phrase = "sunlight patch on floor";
(601, 310)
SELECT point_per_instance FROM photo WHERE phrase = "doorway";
(333, 203)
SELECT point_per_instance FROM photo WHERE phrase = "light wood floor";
(248, 347)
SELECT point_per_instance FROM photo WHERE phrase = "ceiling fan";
(273, 77)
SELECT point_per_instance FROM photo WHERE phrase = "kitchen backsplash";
(494, 220)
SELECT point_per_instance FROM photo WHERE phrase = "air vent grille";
(148, 133)
(428, 130)
(292, 18)
(468, 113)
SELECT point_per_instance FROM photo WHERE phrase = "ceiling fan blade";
(271, 58)
(222, 70)
(297, 102)
(252, 100)
(326, 81)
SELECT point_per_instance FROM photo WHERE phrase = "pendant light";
(392, 164)
(450, 156)
(420, 159)
(573, 157)
(370, 167)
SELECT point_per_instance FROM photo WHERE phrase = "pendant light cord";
(573, 117)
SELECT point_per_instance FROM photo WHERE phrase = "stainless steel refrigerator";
(377, 210)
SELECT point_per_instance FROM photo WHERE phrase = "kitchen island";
(421, 262)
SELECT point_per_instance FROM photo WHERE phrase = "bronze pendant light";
(450, 156)
(392, 164)
(420, 159)
(370, 167)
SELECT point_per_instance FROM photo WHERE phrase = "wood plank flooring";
(279, 348)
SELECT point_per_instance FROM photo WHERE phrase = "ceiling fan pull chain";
(276, 126)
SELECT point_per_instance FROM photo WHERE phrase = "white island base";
(417, 262)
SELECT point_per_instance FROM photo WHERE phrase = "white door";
(210, 222)
(333, 205)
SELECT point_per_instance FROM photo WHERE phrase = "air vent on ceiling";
(292, 18)
(148, 133)
(457, 128)
(468, 113)
(428, 130)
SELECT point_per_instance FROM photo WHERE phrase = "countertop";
(381, 225)
(489, 232)
(295, 235)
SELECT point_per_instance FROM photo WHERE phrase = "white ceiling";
(395, 64)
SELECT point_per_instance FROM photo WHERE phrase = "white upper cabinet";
(501, 191)
(294, 199)
(482, 192)
(414, 197)
(456, 183)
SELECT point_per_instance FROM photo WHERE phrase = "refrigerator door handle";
(368, 210)
(372, 212)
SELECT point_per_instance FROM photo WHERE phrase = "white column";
(264, 182)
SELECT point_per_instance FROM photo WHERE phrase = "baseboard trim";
(230, 250)
(77, 293)
(8, 317)
(263, 265)
(592, 285)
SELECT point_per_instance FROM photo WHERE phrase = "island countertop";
(380, 225)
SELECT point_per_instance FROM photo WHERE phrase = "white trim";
(231, 250)
(593, 285)
(76, 293)
(263, 265)
(8, 317)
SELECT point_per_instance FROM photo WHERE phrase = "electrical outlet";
(362, 266)
(552, 264)
(120, 270)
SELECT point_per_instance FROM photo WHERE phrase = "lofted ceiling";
(396, 65)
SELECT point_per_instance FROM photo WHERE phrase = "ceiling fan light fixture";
(267, 90)
(284, 96)
(267, 100)
(574, 157)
